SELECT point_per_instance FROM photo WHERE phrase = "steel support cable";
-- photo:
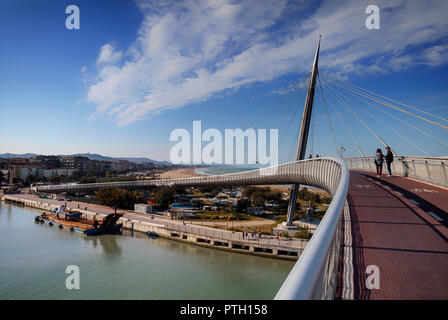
(294, 142)
(396, 101)
(392, 106)
(401, 120)
(291, 120)
(289, 124)
(396, 132)
(312, 131)
(284, 118)
(360, 119)
(288, 113)
(357, 117)
(393, 130)
(270, 113)
(329, 121)
(347, 128)
(317, 134)
(267, 115)
(258, 123)
(260, 112)
(294, 145)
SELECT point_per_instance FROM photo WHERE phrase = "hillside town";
(42, 169)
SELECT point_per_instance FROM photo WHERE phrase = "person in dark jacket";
(379, 159)
(389, 160)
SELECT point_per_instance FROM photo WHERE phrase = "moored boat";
(74, 221)
(153, 234)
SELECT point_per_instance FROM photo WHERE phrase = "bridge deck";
(399, 225)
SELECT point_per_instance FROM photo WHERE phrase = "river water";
(34, 257)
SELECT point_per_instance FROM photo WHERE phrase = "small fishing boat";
(153, 234)
(74, 221)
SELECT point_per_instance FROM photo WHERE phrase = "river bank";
(267, 246)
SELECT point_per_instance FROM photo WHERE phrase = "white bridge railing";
(315, 273)
(314, 276)
(432, 170)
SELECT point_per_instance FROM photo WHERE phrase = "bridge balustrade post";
(405, 167)
(415, 170)
(444, 172)
(427, 169)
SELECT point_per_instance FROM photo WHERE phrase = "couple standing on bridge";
(379, 159)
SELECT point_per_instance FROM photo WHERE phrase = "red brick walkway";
(408, 244)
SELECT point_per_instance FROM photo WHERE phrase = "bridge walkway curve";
(401, 226)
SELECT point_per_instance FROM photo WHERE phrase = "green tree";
(55, 179)
(274, 195)
(118, 198)
(242, 205)
(249, 191)
(30, 179)
(87, 179)
(163, 196)
(306, 195)
(303, 233)
(258, 199)
(16, 180)
(109, 196)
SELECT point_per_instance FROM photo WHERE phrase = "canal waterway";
(34, 257)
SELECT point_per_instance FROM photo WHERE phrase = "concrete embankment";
(203, 236)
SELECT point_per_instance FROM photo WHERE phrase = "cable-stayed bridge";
(381, 237)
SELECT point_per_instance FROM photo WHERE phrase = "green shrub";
(303, 233)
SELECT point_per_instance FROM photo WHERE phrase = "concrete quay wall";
(236, 245)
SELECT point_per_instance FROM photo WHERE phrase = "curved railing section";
(432, 170)
(315, 273)
(322, 173)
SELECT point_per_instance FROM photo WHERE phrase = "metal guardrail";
(314, 274)
(302, 172)
(230, 235)
(432, 170)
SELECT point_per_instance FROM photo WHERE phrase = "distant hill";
(91, 156)
(13, 155)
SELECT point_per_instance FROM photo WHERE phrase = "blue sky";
(136, 70)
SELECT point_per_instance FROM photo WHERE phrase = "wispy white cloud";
(108, 54)
(292, 87)
(436, 55)
(188, 51)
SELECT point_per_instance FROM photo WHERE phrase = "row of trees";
(124, 199)
(93, 179)
(33, 179)
(306, 195)
(118, 198)
(163, 196)
(260, 195)
(256, 196)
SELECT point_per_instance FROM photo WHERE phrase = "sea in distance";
(216, 170)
